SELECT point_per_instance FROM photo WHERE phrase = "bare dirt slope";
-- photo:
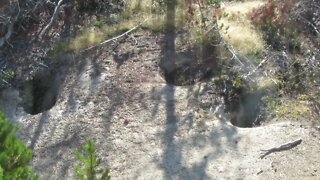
(147, 129)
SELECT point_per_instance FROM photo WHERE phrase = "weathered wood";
(55, 13)
(283, 147)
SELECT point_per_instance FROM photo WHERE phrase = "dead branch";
(6, 37)
(38, 3)
(9, 32)
(227, 46)
(274, 81)
(117, 37)
(256, 68)
(234, 56)
(283, 147)
(309, 23)
(55, 13)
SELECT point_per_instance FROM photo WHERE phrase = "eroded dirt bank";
(147, 129)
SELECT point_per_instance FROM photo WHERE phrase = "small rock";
(220, 169)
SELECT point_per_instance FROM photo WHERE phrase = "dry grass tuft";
(96, 35)
(241, 34)
(294, 109)
(135, 12)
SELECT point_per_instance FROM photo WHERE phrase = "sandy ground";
(146, 129)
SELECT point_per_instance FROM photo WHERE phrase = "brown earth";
(147, 129)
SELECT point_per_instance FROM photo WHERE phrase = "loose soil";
(145, 128)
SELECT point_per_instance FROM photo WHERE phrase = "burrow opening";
(187, 75)
(40, 93)
(190, 66)
(244, 107)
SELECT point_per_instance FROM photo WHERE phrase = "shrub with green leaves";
(14, 155)
(88, 169)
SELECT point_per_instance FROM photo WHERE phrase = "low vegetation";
(262, 50)
(14, 155)
(89, 169)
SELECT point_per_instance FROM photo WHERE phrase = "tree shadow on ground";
(59, 74)
(221, 138)
(172, 158)
(43, 119)
(74, 66)
(57, 152)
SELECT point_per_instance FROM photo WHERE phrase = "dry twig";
(117, 37)
(7, 36)
(283, 147)
(55, 13)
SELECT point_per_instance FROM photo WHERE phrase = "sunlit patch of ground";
(136, 12)
(240, 33)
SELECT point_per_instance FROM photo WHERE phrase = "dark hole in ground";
(187, 75)
(243, 107)
(191, 66)
(40, 93)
